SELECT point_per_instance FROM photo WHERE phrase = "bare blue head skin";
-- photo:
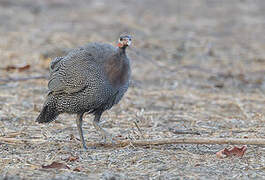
(124, 41)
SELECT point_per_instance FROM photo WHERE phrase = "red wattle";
(119, 44)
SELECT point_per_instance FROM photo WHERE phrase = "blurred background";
(197, 66)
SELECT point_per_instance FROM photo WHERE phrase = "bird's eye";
(120, 39)
(130, 39)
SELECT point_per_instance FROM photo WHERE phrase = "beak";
(128, 43)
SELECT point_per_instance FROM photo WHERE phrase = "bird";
(89, 79)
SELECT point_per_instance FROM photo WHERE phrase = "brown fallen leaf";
(20, 69)
(10, 68)
(235, 151)
(78, 169)
(56, 165)
(23, 68)
(72, 158)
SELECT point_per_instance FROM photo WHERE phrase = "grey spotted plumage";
(89, 79)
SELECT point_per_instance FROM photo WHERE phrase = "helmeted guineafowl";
(89, 79)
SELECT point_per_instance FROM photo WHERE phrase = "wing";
(54, 63)
(71, 73)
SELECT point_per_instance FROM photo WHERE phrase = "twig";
(138, 128)
(240, 106)
(24, 78)
(184, 141)
(184, 132)
(13, 134)
(156, 142)
(20, 141)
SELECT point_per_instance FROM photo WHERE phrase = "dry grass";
(198, 66)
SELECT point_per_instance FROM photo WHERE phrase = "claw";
(105, 135)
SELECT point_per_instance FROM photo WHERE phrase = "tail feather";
(48, 114)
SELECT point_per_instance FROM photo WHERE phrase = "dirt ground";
(196, 66)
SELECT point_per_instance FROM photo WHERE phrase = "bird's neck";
(122, 50)
(117, 68)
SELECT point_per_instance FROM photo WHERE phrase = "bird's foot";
(90, 148)
(84, 147)
(106, 136)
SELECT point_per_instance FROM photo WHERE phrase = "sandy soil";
(197, 66)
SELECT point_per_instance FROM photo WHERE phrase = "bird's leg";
(79, 121)
(98, 127)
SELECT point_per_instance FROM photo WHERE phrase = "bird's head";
(124, 41)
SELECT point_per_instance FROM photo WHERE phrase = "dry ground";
(197, 66)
